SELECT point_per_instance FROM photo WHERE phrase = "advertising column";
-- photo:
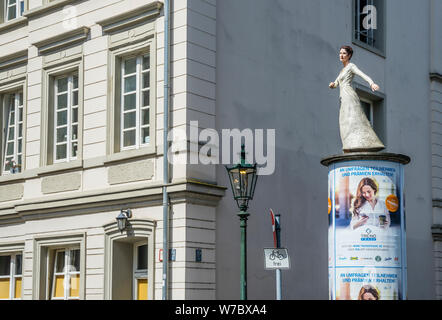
(367, 251)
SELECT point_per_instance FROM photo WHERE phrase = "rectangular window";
(372, 104)
(66, 275)
(66, 118)
(13, 133)
(368, 24)
(140, 271)
(135, 102)
(367, 106)
(60, 264)
(11, 276)
(14, 9)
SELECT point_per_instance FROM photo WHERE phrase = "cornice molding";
(46, 8)
(139, 195)
(62, 40)
(19, 57)
(134, 225)
(434, 76)
(436, 231)
(131, 17)
(437, 202)
(15, 23)
(384, 156)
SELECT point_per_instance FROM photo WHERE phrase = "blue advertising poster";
(367, 230)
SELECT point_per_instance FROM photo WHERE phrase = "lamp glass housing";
(243, 179)
(121, 221)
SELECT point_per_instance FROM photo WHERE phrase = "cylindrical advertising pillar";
(366, 238)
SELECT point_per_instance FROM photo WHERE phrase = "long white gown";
(355, 129)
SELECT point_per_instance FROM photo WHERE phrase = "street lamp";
(243, 181)
(122, 219)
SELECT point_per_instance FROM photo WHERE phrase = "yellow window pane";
(17, 293)
(4, 288)
(59, 287)
(142, 289)
(74, 290)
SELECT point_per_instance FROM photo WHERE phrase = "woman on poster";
(367, 209)
(355, 129)
(367, 292)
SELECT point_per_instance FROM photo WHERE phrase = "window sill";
(46, 8)
(13, 23)
(369, 48)
(130, 154)
(78, 165)
(366, 92)
(17, 177)
(42, 171)
(61, 166)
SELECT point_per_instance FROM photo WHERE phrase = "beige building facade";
(81, 84)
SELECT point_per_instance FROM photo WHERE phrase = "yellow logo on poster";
(392, 203)
(329, 205)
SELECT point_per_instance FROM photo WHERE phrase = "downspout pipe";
(165, 149)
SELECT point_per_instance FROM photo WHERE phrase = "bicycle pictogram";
(276, 258)
(276, 254)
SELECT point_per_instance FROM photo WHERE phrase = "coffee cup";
(382, 220)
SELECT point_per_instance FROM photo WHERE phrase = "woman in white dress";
(367, 209)
(355, 129)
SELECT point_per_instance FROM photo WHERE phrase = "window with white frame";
(12, 132)
(368, 24)
(13, 9)
(11, 276)
(140, 282)
(135, 102)
(66, 118)
(65, 283)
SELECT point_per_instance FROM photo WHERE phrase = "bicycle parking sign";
(276, 258)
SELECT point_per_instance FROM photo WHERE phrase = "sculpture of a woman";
(355, 129)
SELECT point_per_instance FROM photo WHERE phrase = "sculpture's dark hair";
(349, 50)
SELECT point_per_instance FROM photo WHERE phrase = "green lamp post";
(243, 181)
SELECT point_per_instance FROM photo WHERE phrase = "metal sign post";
(277, 258)
(278, 245)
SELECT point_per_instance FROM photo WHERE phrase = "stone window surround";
(42, 246)
(61, 54)
(130, 33)
(116, 57)
(47, 112)
(11, 85)
(3, 14)
(12, 247)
